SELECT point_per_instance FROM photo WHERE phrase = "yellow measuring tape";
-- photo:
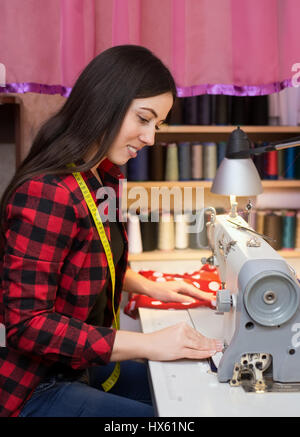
(110, 382)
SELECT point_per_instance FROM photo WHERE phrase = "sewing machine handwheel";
(271, 298)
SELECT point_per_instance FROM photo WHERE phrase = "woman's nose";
(148, 136)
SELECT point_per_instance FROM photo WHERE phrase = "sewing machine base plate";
(270, 386)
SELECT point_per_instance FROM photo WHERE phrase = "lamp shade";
(237, 176)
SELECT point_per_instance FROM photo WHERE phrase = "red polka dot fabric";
(205, 279)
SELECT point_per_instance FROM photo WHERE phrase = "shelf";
(169, 184)
(170, 255)
(177, 133)
(191, 254)
(8, 99)
(227, 129)
(287, 183)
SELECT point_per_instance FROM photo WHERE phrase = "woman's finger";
(195, 340)
(194, 354)
(196, 293)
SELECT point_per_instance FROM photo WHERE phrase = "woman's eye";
(143, 120)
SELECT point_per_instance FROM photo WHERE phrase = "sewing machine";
(260, 301)
(258, 317)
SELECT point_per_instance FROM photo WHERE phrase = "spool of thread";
(193, 240)
(184, 161)
(157, 157)
(191, 110)
(289, 159)
(209, 161)
(273, 229)
(197, 161)
(204, 109)
(239, 110)
(181, 231)
(166, 234)
(259, 161)
(172, 170)
(252, 219)
(134, 234)
(288, 229)
(221, 109)
(273, 105)
(297, 165)
(297, 240)
(221, 151)
(176, 114)
(260, 219)
(137, 168)
(149, 231)
(198, 240)
(271, 165)
(281, 164)
(258, 110)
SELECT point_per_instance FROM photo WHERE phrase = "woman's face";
(141, 121)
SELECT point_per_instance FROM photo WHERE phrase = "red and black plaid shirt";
(53, 268)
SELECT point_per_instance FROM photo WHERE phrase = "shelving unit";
(201, 133)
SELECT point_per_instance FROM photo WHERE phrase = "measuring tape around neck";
(110, 382)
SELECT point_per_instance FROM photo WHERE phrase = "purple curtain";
(232, 47)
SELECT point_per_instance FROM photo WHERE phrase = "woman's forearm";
(136, 283)
(128, 345)
(156, 346)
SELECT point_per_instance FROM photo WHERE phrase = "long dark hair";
(92, 114)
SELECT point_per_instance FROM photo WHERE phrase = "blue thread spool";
(137, 168)
(289, 230)
(184, 161)
(289, 157)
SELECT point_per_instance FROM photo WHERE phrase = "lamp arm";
(278, 145)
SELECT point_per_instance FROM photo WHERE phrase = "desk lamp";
(260, 294)
(237, 174)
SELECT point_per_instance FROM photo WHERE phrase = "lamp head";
(237, 174)
(238, 145)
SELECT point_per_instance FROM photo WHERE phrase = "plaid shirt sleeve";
(43, 225)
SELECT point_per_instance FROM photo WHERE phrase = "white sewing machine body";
(260, 300)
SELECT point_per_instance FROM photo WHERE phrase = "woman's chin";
(119, 161)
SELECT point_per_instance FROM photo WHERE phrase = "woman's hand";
(177, 291)
(169, 291)
(172, 343)
(186, 343)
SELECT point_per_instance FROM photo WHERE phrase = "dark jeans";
(130, 397)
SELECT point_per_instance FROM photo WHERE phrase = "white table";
(186, 388)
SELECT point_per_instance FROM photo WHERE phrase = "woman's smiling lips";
(132, 151)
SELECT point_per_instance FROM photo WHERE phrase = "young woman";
(57, 300)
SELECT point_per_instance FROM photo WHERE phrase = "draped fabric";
(232, 47)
